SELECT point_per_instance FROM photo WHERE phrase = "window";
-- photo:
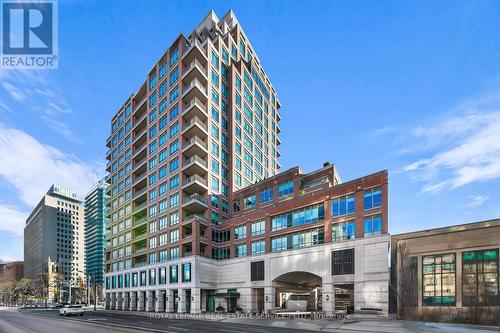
(480, 277)
(152, 277)
(174, 274)
(285, 189)
(259, 247)
(240, 232)
(343, 262)
(186, 272)
(143, 278)
(174, 253)
(257, 271)
(174, 235)
(373, 225)
(298, 217)
(343, 231)
(174, 56)
(266, 195)
(134, 279)
(373, 198)
(249, 202)
(163, 275)
(240, 250)
(438, 280)
(343, 205)
(258, 228)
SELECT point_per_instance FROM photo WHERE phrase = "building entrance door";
(176, 301)
(187, 301)
(344, 298)
(210, 300)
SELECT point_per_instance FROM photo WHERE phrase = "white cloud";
(460, 148)
(36, 92)
(12, 219)
(31, 167)
(13, 91)
(475, 201)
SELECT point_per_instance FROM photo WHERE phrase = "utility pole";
(95, 295)
(69, 298)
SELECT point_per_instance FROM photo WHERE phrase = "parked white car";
(71, 310)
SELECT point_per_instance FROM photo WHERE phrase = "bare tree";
(406, 282)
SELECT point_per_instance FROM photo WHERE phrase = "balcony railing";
(194, 178)
(194, 83)
(139, 221)
(195, 196)
(195, 139)
(195, 158)
(195, 217)
(193, 64)
(193, 102)
(140, 207)
(196, 120)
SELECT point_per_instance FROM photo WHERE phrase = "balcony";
(140, 250)
(194, 70)
(140, 163)
(195, 146)
(195, 165)
(194, 51)
(195, 218)
(140, 193)
(194, 89)
(194, 127)
(194, 108)
(139, 221)
(140, 180)
(139, 149)
(141, 207)
(194, 203)
(194, 184)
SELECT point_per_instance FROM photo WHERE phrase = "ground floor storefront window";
(480, 277)
(439, 280)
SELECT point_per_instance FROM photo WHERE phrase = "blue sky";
(365, 85)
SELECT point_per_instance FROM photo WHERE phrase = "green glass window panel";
(469, 256)
(490, 255)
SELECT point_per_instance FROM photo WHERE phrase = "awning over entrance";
(227, 295)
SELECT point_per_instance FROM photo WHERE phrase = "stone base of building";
(294, 280)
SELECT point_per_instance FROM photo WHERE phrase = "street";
(45, 321)
(13, 320)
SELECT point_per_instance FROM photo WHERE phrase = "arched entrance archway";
(298, 291)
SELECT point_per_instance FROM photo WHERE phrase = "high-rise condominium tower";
(200, 218)
(203, 124)
(96, 225)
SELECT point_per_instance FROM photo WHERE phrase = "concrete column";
(195, 300)
(126, 301)
(107, 305)
(169, 300)
(458, 277)
(150, 301)
(119, 301)
(182, 301)
(113, 301)
(140, 301)
(133, 301)
(269, 295)
(328, 298)
(159, 301)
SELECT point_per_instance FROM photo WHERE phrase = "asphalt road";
(48, 321)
